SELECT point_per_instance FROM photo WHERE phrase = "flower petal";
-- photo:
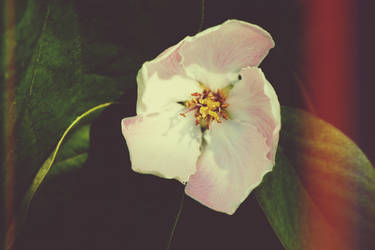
(227, 47)
(232, 164)
(213, 80)
(253, 100)
(156, 94)
(166, 64)
(163, 81)
(212, 57)
(163, 144)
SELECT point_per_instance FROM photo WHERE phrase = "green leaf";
(70, 56)
(321, 193)
(66, 157)
(73, 55)
(73, 153)
(53, 86)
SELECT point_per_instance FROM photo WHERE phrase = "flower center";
(207, 106)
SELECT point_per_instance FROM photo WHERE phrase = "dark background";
(112, 207)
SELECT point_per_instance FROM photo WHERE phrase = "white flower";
(207, 116)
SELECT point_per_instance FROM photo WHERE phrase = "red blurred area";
(331, 64)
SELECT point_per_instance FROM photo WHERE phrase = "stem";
(202, 16)
(176, 220)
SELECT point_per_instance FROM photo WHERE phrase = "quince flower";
(207, 116)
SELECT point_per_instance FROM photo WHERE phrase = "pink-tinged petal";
(163, 144)
(232, 164)
(166, 64)
(270, 92)
(227, 47)
(253, 100)
(163, 81)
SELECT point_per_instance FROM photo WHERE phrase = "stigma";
(208, 106)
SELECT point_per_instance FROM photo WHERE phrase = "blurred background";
(64, 57)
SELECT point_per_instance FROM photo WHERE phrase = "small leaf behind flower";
(73, 153)
(321, 193)
(65, 158)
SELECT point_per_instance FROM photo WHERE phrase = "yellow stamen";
(203, 111)
(209, 106)
(214, 115)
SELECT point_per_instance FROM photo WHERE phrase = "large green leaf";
(53, 86)
(71, 56)
(321, 194)
(74, 55)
